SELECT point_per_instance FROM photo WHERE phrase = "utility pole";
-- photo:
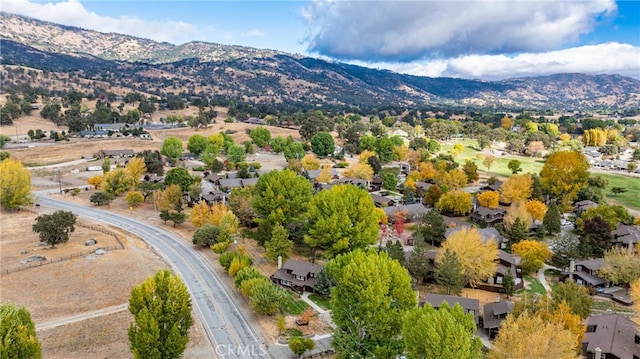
(59, 173)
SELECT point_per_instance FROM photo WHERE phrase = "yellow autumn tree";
(533, 254)
(635, 297)
(223, 218)
(516, 188)
(400, 152)
(506, 123)
(325, 174)
(359, 170)
(381, 215)
(310, 162)
(410, 184)
(15, 184)
(170, 198)
(517, 210)
(536, 209)
(426, 170)
(489, 199)
(364, 156)
(476, 256)
(95, 181)
(564, 173)
(456, 202)
(134, 198)
(529, 336)
(199, 214)
(569, 320)
(135, 169)
(453, 180)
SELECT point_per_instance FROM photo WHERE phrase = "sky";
(480, 39)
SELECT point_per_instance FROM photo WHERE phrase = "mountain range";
(273, 77)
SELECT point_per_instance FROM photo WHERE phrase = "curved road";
(226, 327)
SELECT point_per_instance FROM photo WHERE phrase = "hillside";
(270, 77)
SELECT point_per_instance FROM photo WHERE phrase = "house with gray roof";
(468, 304)
(493, 314)
(625, 236)
(411, 212)
(586, 273)
(298, 275)
(611, 336)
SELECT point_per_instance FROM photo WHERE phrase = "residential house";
(376, 183)
(215, 196)
(469, 305)
(116, 153)
(582, 206)
(491, 187)
(506, 263)
(298, 275)
(625, 236)
(382, 201)
(255, 121)
(354, 181)
(493, 314)
(410, 212)
(611, 336)
(93, 134)
(490, 217)
(586, 273)
(113, 127)
(227, 184)
(249, 181)
(313, 174)
(422, 188)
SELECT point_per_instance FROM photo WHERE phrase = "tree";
(279, 245)
(518, 231)
(324, 283)
(172, 148)
(390, 178)
(488, 161)
(300, 345)
(453, 180)
(516, 188)
(18, 333)
(433, 194)
(341, 219)
(197, 144)
(161, 308)
(489, 199)
(471, 170)
(206, 235)
(596, 237)
(514, 166)
(15, 184)
(533, 254)
(267, 297)
(456, 202)
(179, 176)
(152, 161)
(170, 198)
(177, 217)
(418, 263)
(236, 154)
(576, 296)
(535, 148)
(618, 190)
(431, 227)
(100, 198)
(449, 273)
(294, 150)
(529, 336)
(310, 162)
(117, 182)
(477, 258)
(509, 283)
(325, 175)
(621, 266)
(240, 203)
(322, 144)
(359, 170)
(135, 169)
(95, 181)
(551, 219)
(371, 294)
(55, 228)
(395, 250)
(446, 332)
(260, 136)
(134, 198)
(536, 209)
(635, 295)
(563, 174)
(517, 210)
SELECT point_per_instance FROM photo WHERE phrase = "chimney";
(497, 299)
(572, 265)
(598, 353)
(279, 262)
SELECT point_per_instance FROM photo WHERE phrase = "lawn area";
(601, 306)
(321, 301)
(534, 285)
(629, 198)
(294, 306)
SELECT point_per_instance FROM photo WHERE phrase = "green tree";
(260, 136)
(390, 178)
(280, 197)
(471, 170)
(134, 199)
(161, 308)
(210, 155)
(418, 262)
(322, 144)
(117, 182)
(509, 283)
(172, 148)
(449, 273)
(563, 174)
(447, 332)
(240, 203)
(177, 217)
(324, 283)
(514, 166)
(152, 161)
(100, 198)
(197, 144)
(575, 295)
(621, 266)
(551, 219)
(431, 227)
(18, 333)
(55, 228)
(279, 244)
(371, 294)
(294, 150)
(179, 176)
(236, 154)
(300, 345)
(518, 231)
(395, 250)
(341, 219)
(267, 297)
(206, 235)
(456, 202)
(15, 184)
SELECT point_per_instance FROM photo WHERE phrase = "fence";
(37, 263)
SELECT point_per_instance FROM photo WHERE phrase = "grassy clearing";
(294, 306)
(606, 306)
(321, 301)
(629, 198)
(534, 285)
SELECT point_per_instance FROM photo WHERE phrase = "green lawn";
(534, 285)
(294, 306)
(631, 197)
(321, 301)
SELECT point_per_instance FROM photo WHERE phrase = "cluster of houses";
(598, 160)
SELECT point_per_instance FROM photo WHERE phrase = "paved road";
(226, 327)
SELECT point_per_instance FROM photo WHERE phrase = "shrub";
(247, 285)
(267, 297)
(245, 274)
(227, 258)
(239, 263)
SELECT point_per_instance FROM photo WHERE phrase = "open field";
(630, 198)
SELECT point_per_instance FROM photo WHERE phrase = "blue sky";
(480, 39)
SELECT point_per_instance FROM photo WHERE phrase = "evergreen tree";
(418, 264)
(551, 219)
(509, 284)
(518, 231)
(449, 273)
(395, 250)
(324, 283)
(536, 188)
(432, 227)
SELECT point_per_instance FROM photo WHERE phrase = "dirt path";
(82, 316)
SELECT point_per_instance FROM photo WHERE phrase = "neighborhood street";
(226, 327)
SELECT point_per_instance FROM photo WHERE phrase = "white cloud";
(253, 33)
(409, 30)
(623, 59)
(73, 13)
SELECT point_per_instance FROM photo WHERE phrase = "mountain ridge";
(269, 76)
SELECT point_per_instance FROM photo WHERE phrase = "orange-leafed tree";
(516, 188)
(536, 209)
(476, 256)
(489, 199)
(95, 181)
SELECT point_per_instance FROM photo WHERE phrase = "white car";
(564, 222)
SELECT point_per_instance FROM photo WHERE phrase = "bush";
(227, 258)
(230, 132)
(245, 274)
(219, 248)
(267, 297)
(238, 264)
(341, 165)
(247, 285)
